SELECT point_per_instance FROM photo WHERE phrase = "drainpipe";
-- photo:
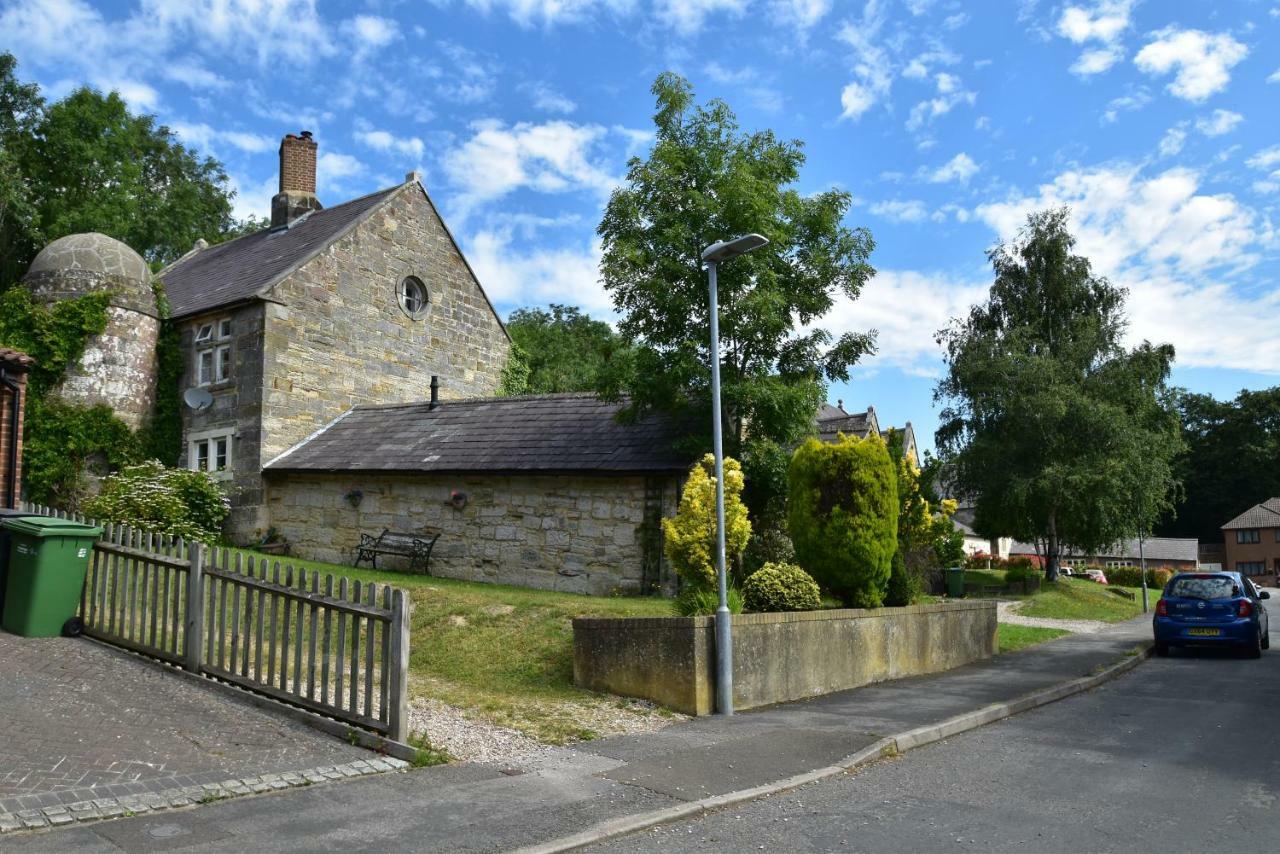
(15, 414)
(435, 391)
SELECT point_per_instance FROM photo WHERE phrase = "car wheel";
(1254, 649)
(1266, 640)
(1162, 649)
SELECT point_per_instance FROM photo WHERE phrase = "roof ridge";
(520, 398)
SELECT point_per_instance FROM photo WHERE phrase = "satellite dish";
(197, 398)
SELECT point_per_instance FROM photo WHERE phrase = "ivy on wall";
(63, 438)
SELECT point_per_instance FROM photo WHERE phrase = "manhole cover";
(166, 831)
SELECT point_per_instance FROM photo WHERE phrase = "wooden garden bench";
(416, 547)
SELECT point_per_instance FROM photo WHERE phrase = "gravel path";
(467, 738)
(1007, 613)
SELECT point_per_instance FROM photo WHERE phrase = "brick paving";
(80, 722)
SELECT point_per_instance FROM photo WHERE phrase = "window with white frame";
(210, 452)
(1074, 561)
(213, 352)
(1116, 564)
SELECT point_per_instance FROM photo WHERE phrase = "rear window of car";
(1204, 587)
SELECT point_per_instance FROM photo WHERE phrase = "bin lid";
(43, 526)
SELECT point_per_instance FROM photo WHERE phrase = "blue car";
(1211, 609)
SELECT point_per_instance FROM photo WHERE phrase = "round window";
(412, 296)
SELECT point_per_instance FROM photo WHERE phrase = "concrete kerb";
(889, 746)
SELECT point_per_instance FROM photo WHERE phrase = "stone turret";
(118, 367)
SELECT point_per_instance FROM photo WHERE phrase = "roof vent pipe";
(435, 391)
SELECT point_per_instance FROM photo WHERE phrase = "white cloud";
(687, 16)
(291, 30)
(1172, 141)
(195, 76)
(950, 94)
(569, 275)
(551, 12)
(210, 140)
(370, 33)
(959, 168)
(332, 167)
(1135, 100)
(1104, 23)
(549, 100)
(1200, 62)
(801, 14)
(1219, 123)
(897, 210)
(553, 157)
(872, 76)
(1176, 249)
(1275, 76)
(253, 198)
(385, 141)
(1265, 161)
(907, 308)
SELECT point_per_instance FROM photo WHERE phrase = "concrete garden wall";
(777, 657)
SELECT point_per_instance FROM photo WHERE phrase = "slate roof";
(545, 433)
(854, 424)
(1155, 548)
(1264, 515)
(16, 357)
(244, 268)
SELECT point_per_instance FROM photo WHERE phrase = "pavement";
(81, 722)
(1179, 756)
(567, 791)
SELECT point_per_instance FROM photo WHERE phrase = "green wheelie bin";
(48, 559)
(955, 582)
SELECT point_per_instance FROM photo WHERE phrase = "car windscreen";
(1204, 587)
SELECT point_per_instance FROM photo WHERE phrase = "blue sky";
(1156, 121)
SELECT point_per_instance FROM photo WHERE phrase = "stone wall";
(237, 407)
(17, 375)
(577, 533)
(337, 337)
(778, 657)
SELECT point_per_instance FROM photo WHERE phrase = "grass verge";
(1011, 638)
(1076, 599)
(503, 654)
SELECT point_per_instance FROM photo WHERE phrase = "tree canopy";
(1229, 463)
(707, 180)
(565, 350)
(1062, 434)
(86, 163)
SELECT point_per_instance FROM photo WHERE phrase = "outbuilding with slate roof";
(545, 491)
(285, 329)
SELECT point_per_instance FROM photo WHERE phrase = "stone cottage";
(285, 329)
(543, 491)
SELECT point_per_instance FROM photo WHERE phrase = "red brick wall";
(6, 402)
(297, 165)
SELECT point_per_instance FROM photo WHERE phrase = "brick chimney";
(297, 194)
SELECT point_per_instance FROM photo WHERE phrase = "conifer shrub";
(843, 516)
(689, 539)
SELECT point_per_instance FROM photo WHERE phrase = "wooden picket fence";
(333, 646)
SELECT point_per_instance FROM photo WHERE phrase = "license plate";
(1204, 633)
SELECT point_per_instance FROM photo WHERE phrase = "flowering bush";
(689, 539)
(178, 502)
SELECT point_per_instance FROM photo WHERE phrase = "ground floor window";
(1115, 564)
(210, 452)
(1251, 567)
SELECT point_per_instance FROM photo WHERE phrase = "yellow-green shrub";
(781, 587)
(843, 516)
(689, 539)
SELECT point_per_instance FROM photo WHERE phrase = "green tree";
(564, 349)
(703, 181)
(689, 538)
(1063, 434)
(843, 516)
(1229, 460)
(85, 163)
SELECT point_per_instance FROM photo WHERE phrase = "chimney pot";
(435, 391)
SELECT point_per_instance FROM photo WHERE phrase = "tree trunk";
(1051, 549)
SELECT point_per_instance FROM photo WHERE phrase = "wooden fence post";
(191, 642)
(398, 700)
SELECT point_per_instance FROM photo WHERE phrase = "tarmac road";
(1180, 755)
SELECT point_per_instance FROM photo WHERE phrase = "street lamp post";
(713, 255)
(1142, 562)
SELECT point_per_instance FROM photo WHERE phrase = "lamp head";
(726, 249)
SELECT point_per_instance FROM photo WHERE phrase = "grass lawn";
(985, 577)
(504, 654)
(1075, 599)
(1011, 638)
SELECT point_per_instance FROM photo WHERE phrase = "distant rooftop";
(1264, 515)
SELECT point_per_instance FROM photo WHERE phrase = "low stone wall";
(777, 657)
